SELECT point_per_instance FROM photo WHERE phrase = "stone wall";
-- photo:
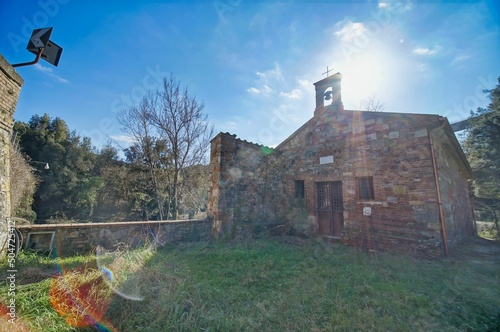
(10, 88)
(71, 239)
(338, 145)
(393, 149)
(454, 185)
(243, 185)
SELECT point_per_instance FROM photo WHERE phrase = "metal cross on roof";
(327, 71)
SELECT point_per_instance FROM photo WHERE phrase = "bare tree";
(179, 118)
(135, 122)
(193, 192)
(372, 105)
(172, 121)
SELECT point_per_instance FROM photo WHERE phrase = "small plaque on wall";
(326, 160)
(367, 211)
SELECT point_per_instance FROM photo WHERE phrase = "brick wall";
(10, 88)
(71, 239)
(393, 149)
(338, 145)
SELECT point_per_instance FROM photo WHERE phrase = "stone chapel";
(381, 181)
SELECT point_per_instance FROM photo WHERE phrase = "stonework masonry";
(10, 88)
(341, 148)
(71, 239)
(238, 189)
(455, 190)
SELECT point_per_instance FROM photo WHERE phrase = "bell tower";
(328, 93)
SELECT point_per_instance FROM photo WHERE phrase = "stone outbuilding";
(381, 181)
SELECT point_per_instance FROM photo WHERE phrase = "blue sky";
(253, 63)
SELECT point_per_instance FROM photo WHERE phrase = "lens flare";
(121, 270)
(81, 296)
(107, 273)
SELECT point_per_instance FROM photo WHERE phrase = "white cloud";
(265, 79)
(426, 51)
(350, 30)
(43, 69)
(253, 90)
(272, 74)
(59, 78)
(49, 72)
(264, 90)
(305, 83)
(294, 94)
(234, 124)
(123, 138)
(231, 125)
(397, 7)
(459, 59)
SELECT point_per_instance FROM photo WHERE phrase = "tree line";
(161, 176)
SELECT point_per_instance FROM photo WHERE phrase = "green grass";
(271, 285)
(487, 230)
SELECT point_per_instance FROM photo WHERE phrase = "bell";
(328, 95)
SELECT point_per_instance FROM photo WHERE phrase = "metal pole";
(38, 56)
(438, 189)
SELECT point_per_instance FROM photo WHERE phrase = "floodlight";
(44, 48)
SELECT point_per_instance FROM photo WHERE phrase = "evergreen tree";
(482, 147)
(67, 189)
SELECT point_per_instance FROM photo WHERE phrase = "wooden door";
(330, 208)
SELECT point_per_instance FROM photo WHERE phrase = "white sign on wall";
(367, 211)
(326, 160)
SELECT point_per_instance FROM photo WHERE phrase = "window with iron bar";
(365, 188)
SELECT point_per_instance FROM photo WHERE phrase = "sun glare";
(362, 79)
